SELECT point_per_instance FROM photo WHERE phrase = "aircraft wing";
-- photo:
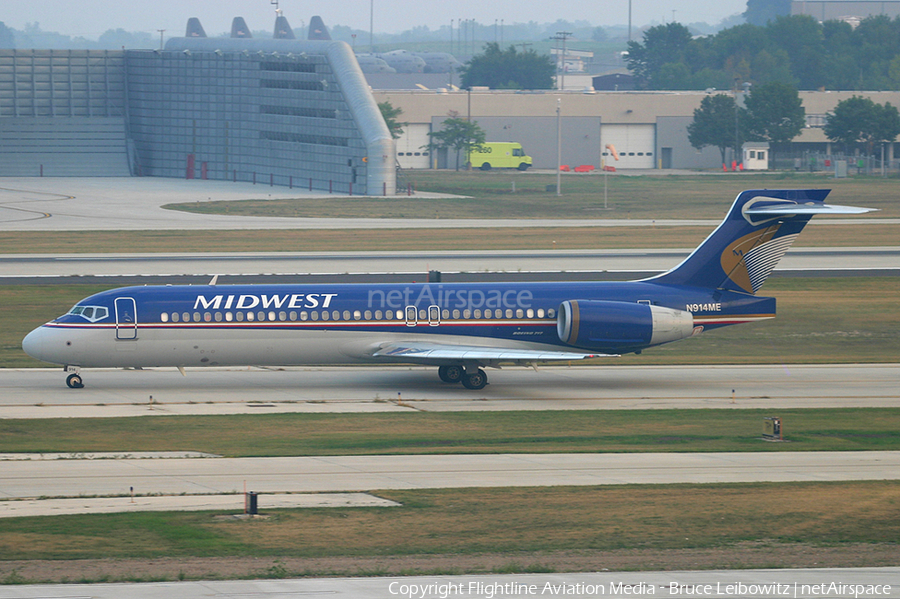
(436, 353)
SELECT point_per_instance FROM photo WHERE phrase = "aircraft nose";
(33, 343)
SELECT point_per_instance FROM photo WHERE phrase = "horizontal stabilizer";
(808, 209)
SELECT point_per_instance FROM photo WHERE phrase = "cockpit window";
(90, 313)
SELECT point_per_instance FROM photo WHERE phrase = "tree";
(6, 37)
(760, 12)
(457, 134)
(390, 115)
(662, 45)
(803, 39)
(714, 124)
(508, 69)
(862, 121)
(774, 113)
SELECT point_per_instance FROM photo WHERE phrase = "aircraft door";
(412, 316)
(434, 316)
(126, 318)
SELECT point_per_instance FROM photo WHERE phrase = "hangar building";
(281, 111)
(648, 129)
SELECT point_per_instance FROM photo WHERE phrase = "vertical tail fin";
(758, 230)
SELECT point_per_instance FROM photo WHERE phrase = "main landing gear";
(471, 379)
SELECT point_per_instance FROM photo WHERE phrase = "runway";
(838, 583)
(191, 476)
(41, 393)
(409, 265)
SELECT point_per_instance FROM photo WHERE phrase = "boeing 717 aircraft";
(459, 328)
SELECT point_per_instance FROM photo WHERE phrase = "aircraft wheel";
(74, 381)
(486, 166)
(450, 374)
(476, 380)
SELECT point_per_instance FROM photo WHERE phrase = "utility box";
(840, 169)
(772, 429)
(251, 504)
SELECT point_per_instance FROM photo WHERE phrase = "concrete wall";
(671, 132)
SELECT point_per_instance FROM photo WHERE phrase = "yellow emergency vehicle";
(499, 154)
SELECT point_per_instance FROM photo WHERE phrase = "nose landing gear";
(74, 381)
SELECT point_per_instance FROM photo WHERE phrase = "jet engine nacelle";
(620, 326)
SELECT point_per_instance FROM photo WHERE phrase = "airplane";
(460, 328)
(439, 62)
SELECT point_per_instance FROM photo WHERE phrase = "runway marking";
(54, 197)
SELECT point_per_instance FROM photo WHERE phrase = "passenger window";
(240, 316)
(304, 315)
(185, 317)
(477, 313)
(164, 317)
(218, 317)
(325, 315)
(540, 312)
(174, 316)
(196, 317)
(314, 315)
(530, 313)
(519, 313)
(282, 316)
(377, 314)
(368, 314)
(293, 315)
(229, 317)
(250, 316)
(337, 315)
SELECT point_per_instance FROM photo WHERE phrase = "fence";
(821, 162)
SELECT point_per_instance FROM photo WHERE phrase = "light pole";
(734, 162)
(372, 25)
(558, 147)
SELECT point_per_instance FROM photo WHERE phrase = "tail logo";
(749, 260)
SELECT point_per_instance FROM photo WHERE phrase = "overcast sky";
(90, 18)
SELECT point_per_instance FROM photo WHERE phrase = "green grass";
(345, 240)
(515, 521)
(820, 320)
(588, 431)
(489, 195)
